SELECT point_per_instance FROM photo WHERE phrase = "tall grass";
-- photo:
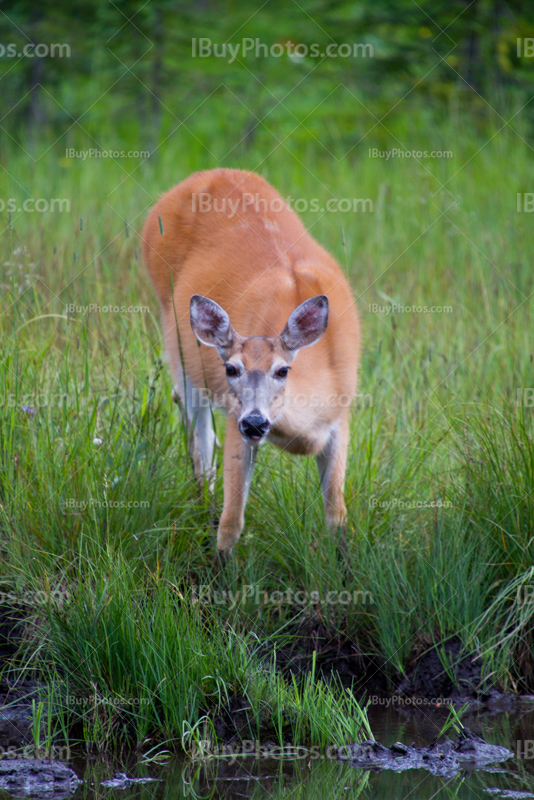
(132, 660)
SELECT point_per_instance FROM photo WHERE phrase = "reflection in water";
(318, 777)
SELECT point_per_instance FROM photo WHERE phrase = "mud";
(9, 632)
(30, 777)
(427, 677)
(233, 721)
(121, 781)
(445, 760)
(16, 712)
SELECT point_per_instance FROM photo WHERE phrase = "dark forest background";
(131, 64)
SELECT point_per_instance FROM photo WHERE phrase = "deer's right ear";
(210, 323)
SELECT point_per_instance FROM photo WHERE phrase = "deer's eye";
(282, 372)
(231, 371)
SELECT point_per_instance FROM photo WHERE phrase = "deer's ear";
(211, 324)
(306, 324)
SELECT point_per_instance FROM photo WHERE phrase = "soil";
(121, 781)
(345, 659)
(31, 777)
(469, 752)
(233, 720)
(9, 639)
(425, 676)
(428, 677)
(16, 712)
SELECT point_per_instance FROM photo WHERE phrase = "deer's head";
(257, 367)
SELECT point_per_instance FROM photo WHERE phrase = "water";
(320, 777)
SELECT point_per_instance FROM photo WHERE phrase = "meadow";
(106, 541)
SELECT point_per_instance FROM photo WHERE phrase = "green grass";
(441, 460)
(131, 660)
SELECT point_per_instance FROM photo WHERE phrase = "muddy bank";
(425, 675)
(123, 781)
(16, 712)
(31, 777)
(444, 760)
(425, 678)
(9, 635)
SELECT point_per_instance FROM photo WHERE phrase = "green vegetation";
(104, 536)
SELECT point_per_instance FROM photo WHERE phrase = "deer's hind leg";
(195, 409)
(197, 415)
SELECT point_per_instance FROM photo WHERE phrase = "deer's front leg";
(332, 463)
(237, 467)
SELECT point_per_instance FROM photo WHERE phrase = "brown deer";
(234, 269)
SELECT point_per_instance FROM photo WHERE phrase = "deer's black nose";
(254, 426)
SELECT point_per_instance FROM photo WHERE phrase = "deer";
(257, 319)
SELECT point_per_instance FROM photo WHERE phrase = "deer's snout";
(254, 427)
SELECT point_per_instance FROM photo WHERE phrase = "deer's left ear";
(211, 324)
(306, 324)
